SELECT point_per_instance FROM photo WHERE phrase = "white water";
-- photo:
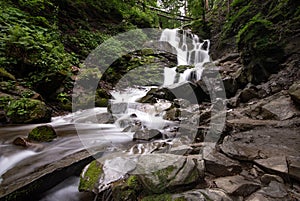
(94, 136)
(7, 162)
(190, 51)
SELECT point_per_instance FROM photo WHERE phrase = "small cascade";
(7, 162)
(190, 51)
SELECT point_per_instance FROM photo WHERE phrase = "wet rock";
(218, 164)
(27, 110)
(267, 178)
(45, 133)
(294, 92)
(185, 90)
(172, 114)
(182, 103)
(236, 185)
(147, 134)
(151, 147)
(117, 108)
(149, 97)
(21, 141)
(101, 118)
(202, 195)
(180, 150)
(43, 177)
(161, 172)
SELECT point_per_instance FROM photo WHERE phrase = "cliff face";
(266, 34)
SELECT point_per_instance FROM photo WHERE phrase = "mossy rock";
(89, 178)
(26, 110)
(147, 51)
(45, 133)
(4, 75)
(127, 190)
(163, 197)
(182, 68)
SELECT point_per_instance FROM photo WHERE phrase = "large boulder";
(185, 90)
(27, 110)
(155, 173)
(45, 133)
(294, 92)
(164, 172)
(146, 134)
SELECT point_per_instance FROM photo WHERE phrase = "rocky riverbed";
(255, 155)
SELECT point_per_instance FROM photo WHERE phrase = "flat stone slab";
(268, 147)
(236, 185)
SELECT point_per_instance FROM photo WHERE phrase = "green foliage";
(37, 7)
(20, 107)
(236, 20)
(254, 27)
(28, 48)
(141, 18)
(196, 8)
(4, 101)
(25, 110)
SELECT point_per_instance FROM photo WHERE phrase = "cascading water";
(189, 50)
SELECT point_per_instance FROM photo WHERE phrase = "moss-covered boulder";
(159, 173)
(44, 133)
(90, 176)
(134, 176)
(26, 110)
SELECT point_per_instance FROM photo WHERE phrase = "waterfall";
(190, 51)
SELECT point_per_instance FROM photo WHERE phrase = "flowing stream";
(78, 131)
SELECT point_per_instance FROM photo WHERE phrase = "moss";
(236, 20)
(162, 197)
(4, 75)
(133, 182)
(163, 178)
(193, 176)
(44, 133)
(254, 27)
(127, 189)
(89, 179)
